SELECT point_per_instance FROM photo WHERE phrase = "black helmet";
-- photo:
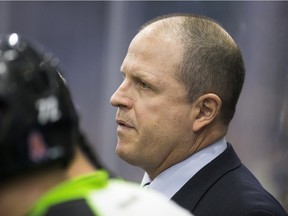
(38, 121)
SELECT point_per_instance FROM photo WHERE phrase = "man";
(183, 77)
(39, 133)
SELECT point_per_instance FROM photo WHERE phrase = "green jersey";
(95, 194)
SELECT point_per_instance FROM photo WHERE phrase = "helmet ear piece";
(38, 120)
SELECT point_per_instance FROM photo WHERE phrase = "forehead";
(152, 48)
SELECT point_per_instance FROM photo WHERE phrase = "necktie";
(146, 185)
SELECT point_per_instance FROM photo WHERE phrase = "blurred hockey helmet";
(38, 121)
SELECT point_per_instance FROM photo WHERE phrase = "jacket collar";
(192, 192)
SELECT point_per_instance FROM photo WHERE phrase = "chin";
(126, 156)
(121, 151)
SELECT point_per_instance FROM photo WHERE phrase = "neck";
(23, 192)
(80, 165)
(204, 138)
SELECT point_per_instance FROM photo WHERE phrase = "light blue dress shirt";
(172, 179)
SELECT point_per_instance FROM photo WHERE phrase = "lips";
(123, 123)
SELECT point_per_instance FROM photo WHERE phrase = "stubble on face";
(160, 114)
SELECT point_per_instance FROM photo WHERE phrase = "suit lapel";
(192, 192)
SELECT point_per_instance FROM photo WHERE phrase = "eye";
(142, 84)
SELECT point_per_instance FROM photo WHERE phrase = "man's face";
(154, 117)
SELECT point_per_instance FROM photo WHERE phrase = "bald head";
(211, 60)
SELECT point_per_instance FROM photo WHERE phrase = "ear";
(208, 108)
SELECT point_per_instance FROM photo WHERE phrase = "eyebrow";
(123, 68)
(137, 73)
(133, 74)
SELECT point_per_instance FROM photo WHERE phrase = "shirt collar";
(172, 179)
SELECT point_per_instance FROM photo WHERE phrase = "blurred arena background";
(91, 38)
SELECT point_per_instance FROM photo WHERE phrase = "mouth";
(123, 123)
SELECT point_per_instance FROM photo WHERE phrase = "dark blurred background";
(91, 38)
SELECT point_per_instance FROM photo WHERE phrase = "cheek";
(173, 126)
(164, 130)
(163, 115)
(163, 121)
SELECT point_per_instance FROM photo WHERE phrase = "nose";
(120, 98)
